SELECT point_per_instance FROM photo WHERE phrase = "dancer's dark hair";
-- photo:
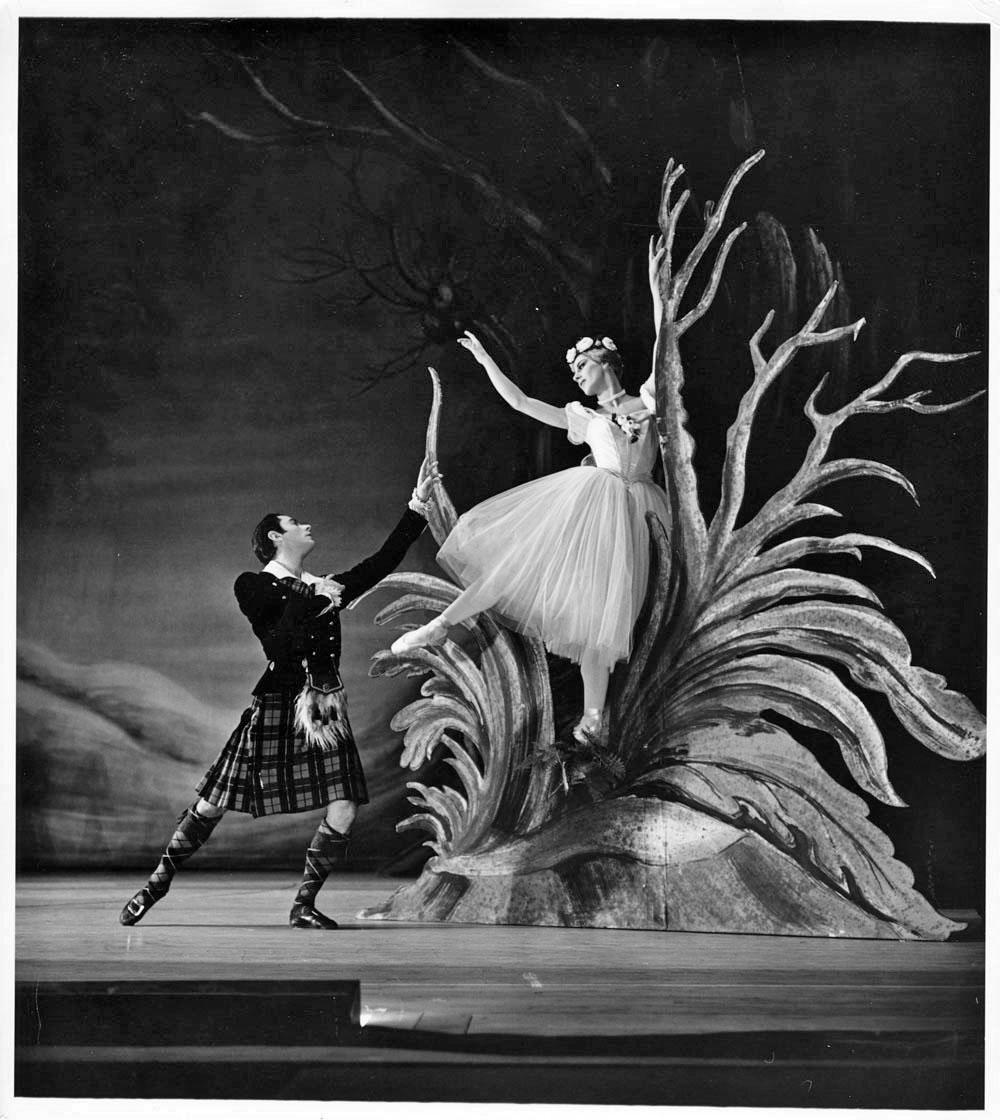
(263, 547)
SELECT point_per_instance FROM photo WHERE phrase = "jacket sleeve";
(281, 614)
(362, 577)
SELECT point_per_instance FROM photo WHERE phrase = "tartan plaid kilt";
(267, 766)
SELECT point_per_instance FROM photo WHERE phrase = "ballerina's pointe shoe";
(590, 726)
(432, 633)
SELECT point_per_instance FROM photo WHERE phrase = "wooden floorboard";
(527, 1014)
(462, 979)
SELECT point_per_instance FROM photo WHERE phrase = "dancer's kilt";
(267, 766)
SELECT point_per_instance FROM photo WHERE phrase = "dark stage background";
(217, 321)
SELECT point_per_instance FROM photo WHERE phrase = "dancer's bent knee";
(340, 815)
(206, 809)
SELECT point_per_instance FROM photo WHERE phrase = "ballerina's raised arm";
(511, 393)
(565, 556)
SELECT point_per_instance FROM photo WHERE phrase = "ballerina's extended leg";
(595, 673)
(433, 633)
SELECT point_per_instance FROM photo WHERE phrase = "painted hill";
(109, 754)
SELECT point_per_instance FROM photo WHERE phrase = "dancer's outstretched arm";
(515, 397)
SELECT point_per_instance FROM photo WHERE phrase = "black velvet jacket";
(285, 615)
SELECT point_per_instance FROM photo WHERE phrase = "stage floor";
(551, 990)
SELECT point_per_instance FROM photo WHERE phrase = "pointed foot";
(432, 633)
(137, 907)
(591, 728)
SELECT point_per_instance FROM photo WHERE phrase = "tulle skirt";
(565, 557)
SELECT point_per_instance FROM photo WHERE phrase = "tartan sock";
(327, 849)
(192, 831)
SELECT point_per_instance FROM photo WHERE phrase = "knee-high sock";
(327, 849)
(470, 602)
(192, 831)
(595, 681)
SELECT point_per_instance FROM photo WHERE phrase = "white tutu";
(565, 556)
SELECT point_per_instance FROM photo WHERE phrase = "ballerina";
(566, 556)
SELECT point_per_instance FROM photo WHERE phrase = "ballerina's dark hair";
(263, 547)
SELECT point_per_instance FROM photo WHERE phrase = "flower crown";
(582, 345)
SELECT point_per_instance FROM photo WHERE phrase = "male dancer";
(293, 749)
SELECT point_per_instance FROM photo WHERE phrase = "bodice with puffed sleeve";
(624, 444)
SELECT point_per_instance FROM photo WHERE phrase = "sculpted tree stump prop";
(710, 816)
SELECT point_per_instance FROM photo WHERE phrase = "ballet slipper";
(590, 725)
(432, 633)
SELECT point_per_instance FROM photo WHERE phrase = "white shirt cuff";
(423, 507)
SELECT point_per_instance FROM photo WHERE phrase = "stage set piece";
(700, 813)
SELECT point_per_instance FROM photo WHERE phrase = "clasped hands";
(427, 479)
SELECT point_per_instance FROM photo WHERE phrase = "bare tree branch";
(540, 98)
(571, 263)
(504, 340)
(668, 220)
(713, 284)
(712, 227)
(911, 403)
(234, 133)
(388, 294)
(280, 107)
(316, 277)
(562, 256)
(814, 473)
(360, 206)
(302, 130)
(397, 258)
(868, 396)
(392, 367)
(676, 444)
(738, 436)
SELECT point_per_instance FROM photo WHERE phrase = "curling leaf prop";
(731, 627)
